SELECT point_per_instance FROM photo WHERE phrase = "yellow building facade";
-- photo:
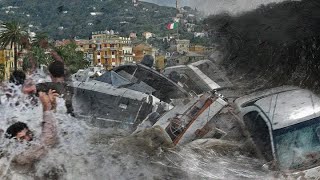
(7, 60)
(197, 49)
(160, 62)
(106, 50)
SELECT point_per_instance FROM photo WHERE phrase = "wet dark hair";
(17, 77)
(14, 129)
(56, 69)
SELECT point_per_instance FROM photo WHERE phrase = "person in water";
(21, 132)
(12, 90)
(58, 78)
(17, 78)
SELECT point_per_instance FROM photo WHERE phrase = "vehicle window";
(259, 133)
(298, 146)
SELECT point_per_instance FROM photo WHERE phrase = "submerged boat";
(123, 96)
(190, 119)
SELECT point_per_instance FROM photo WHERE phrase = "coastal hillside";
(78, 18)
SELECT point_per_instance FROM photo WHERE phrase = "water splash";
(86, 152)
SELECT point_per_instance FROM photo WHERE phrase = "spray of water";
(86, 152)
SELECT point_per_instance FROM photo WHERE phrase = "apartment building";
(7, 60)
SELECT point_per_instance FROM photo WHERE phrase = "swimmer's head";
(19, 131)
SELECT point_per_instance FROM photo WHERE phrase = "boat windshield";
(298, 146)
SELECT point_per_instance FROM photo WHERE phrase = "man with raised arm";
(48, 139)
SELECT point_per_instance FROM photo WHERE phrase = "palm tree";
(41, 40)
(12, 34)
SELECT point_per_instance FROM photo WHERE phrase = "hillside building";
(127, 55)
(147, 35)
(184, 59)
(109, 49)
(141, 50)
(182, 45)
(106, 50)
(135, 3)
(133, 35)
(7, 61)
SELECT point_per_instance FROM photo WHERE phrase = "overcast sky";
(231, 6)
(218, 6)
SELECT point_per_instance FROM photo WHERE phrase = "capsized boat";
(123, 96)
(189, 119)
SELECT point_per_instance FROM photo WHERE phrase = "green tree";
(36, 57)
(37, 52)
(12, 34)
(72, 59)
(41, 40)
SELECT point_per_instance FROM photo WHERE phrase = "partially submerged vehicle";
(284, 124)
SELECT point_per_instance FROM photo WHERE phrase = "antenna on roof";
(177, 7)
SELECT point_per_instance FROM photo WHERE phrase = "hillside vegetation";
(274, 45)
(72, 18)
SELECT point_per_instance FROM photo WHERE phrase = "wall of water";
(86, 152)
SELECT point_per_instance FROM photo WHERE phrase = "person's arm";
(49, 129)
(48, 133)
(56, 56)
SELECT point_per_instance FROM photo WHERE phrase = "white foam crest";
(208, 164)
(86, 152)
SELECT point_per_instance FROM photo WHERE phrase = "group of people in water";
(46, 93)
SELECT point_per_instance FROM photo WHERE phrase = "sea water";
(86, 152)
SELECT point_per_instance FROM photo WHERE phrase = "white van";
(284, 124)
